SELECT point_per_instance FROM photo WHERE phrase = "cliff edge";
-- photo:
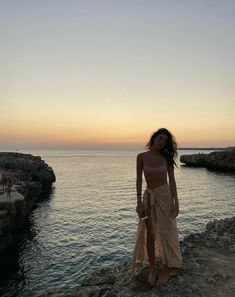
(30, 177)
(218, 160)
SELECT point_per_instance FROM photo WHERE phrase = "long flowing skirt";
(157, 203)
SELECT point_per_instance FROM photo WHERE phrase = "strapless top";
(155, 170)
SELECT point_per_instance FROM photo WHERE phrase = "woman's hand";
(175, 210)
(139, 207)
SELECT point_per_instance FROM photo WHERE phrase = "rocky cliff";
(218, 160)
(208, 270)
(30, 177)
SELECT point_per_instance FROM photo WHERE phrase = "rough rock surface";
(30, 177)
(218, 160)
(208, 270)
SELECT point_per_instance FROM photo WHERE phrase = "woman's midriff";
(154, 182)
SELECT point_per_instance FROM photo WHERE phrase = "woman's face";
(160, 141)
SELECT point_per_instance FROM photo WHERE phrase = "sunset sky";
(108, 73)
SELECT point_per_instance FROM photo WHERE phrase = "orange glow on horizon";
(55, 128)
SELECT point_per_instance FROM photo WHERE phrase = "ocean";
(89, 220)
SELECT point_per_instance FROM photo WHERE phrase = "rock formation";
(219, 160)
(30, 177)
(208, 270)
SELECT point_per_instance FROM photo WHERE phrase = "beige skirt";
(157, 203)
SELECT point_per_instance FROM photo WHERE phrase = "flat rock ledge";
(218, 160)
(208, 270)
(30, 177)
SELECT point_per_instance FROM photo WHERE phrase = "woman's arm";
(139, 167)
(173, 188)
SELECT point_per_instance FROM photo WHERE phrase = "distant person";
(8, 188)
(157, 227)
(4, 180)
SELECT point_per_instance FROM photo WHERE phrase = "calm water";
(89, 219)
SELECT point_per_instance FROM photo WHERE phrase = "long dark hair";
(169, 150)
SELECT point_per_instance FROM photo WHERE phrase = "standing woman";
(157, 235)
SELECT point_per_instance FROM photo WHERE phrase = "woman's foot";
(152, 278)
(164, 276)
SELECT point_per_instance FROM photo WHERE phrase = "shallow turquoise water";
(89, 219)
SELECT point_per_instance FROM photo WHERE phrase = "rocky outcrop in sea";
(218, 160)
(31, 177)
(208, 270)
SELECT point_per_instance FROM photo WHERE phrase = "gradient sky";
(109, 73)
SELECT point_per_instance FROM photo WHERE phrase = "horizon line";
(110, 148)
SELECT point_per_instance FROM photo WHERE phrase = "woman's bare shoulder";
(142, 155)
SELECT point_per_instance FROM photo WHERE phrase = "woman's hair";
(169, 150)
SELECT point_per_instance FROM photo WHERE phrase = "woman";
(4, 180)
(8, 188)
(157, 236)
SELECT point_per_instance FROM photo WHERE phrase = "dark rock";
(30, 177)
(100, 277)
(218, 160)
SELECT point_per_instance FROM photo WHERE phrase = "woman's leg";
(151, 252)
(164, 276)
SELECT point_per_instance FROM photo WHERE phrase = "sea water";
(88, 220)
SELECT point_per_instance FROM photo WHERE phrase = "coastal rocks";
(25, 167)
(30, 177)
(208, 270)
(218, 160)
